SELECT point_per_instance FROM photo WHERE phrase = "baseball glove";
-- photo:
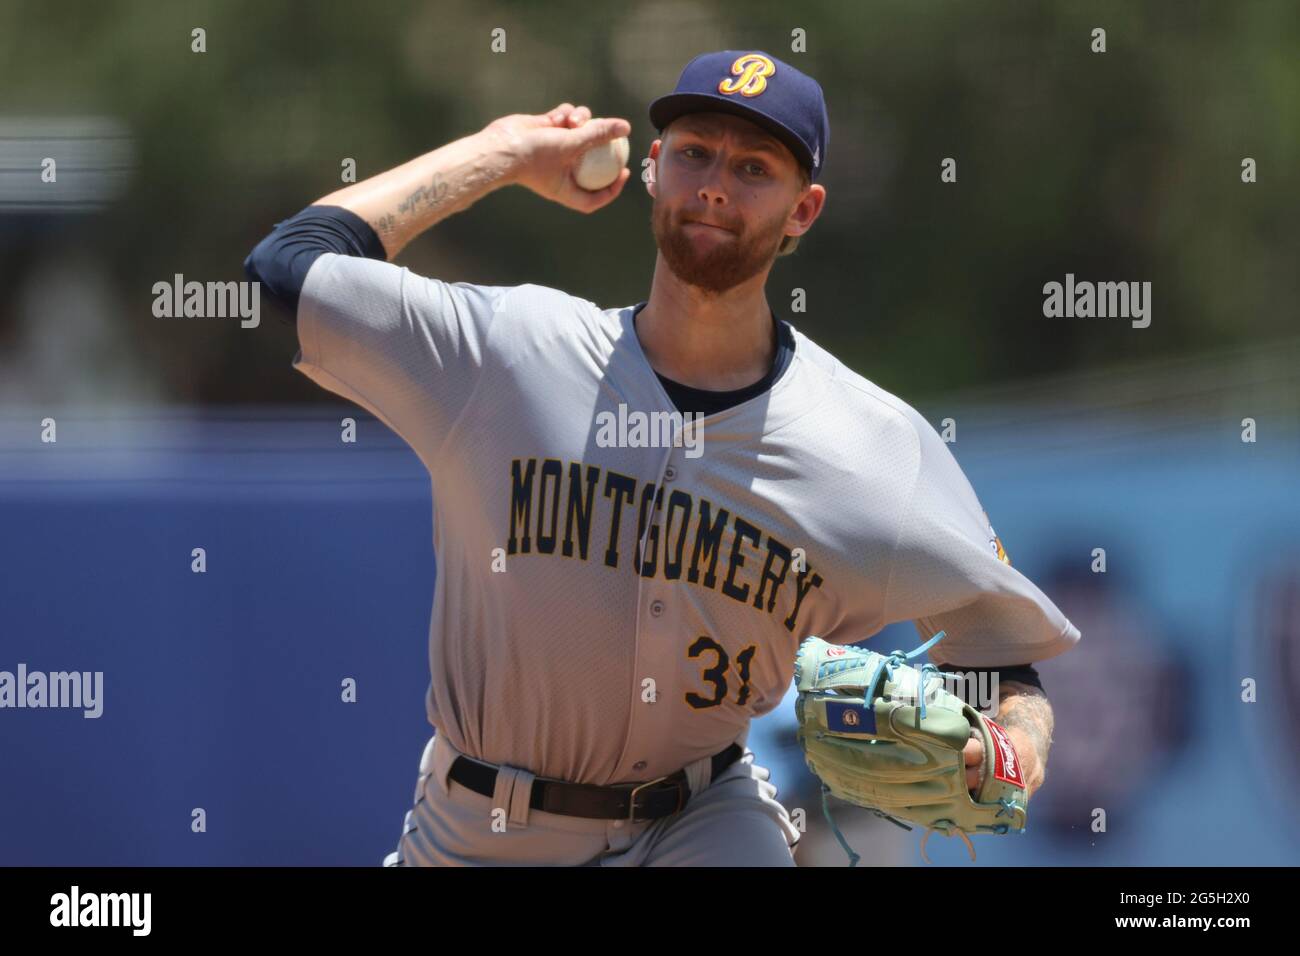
(874, 741)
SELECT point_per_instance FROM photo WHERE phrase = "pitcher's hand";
(974, 759)
(545, 150)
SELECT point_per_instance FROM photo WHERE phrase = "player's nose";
(714, 197)
(711, 189)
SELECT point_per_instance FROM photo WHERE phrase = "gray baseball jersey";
(610, 607)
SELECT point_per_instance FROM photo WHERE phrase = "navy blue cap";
(760, 88)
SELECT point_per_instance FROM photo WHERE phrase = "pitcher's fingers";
(589, 201)
(560, 115)
(602, 131)
(579, 116)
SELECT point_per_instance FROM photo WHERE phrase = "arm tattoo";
(385, 223)
(1027, 709)
(426, 196)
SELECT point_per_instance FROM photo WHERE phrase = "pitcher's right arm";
(537, 152)
(377, 217)
(408, 348)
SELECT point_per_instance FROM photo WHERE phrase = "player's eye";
(759, 169)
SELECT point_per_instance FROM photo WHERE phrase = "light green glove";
(874, 741)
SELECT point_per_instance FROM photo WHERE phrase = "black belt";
(649, 801)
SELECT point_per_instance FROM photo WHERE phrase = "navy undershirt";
(690, 400)
(280, 262)
(1022, 673)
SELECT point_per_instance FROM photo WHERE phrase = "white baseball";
(601, 164)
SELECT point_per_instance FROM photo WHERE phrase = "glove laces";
(895, 659)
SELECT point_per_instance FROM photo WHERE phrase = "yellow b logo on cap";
(751, 72)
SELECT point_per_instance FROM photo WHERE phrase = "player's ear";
(807, 210)
(651, 169)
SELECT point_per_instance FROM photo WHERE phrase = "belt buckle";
(631, 804)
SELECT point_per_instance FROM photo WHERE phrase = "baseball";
(600, 165)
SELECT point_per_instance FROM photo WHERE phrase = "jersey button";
(670, 473)
(639, 765)
(656, 608)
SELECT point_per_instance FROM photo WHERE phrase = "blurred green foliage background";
(1119, 166)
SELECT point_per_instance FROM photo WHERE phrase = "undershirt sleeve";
(1020, 673)
(281, 261)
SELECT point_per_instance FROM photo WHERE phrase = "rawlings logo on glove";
(1006, 766)
(889, 737)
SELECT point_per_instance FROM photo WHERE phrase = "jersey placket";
(654, 675)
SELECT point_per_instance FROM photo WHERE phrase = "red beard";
(713, 263)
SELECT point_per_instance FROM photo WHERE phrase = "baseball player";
(640, 512)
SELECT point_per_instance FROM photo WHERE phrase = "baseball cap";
(759, 87)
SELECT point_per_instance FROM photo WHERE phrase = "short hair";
(790, 243)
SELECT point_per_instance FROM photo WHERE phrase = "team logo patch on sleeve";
(995, 543)
(850, 718)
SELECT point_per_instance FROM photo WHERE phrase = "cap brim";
(667, 108)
